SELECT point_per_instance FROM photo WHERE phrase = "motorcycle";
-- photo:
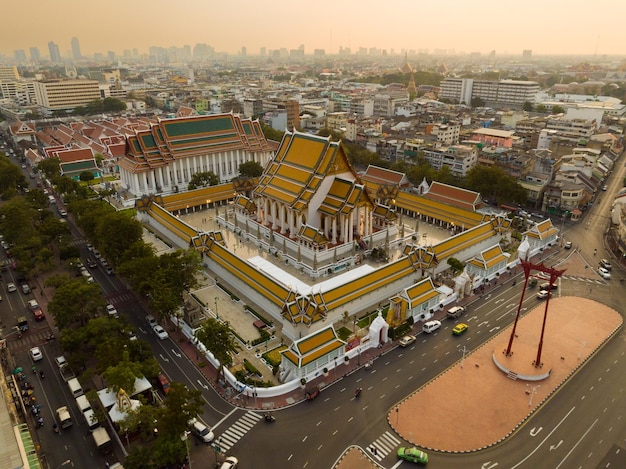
(40, 421)
(357, 392)
(55, 427)
(269, 418)
(41, 374)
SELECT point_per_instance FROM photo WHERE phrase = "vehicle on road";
(604, 273)
(91, 263)
(312, 393)
(568, 245)
(33, 305)
(542, 295)
(35, 354)
(64, 417)
(455, 312)
(61, 361)
(102, 440)
(413, 455)
(546, 286)
(151, 321)
(38, 314)
(231, 462)
(407, 340)
(160, 332)
(112, 312)
(163, 383)
(460, 328)
(431, 326)
(11, 287)
(199, 429)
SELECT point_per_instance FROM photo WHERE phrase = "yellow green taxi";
(460, 328)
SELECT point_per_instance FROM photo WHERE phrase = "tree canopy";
(218, 339)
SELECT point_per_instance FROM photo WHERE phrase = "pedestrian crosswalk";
(237, 430)
(383, 445)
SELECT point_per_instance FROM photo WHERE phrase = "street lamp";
(185, 438)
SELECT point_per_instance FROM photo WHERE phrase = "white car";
(151, 321)
(35, 354)
(431, 326)
(112, 311)
(160, 332)
(60, 361)
(199, 429)
(11, 287)
(605, 274)
(542, 295)
(231, 462)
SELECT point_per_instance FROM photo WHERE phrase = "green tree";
(203, 179)
(556, 109)
(477, 102)
(50, 167)
(528, 106)
(116, 232)
(86, 176)
(271, 133)
(455, 264)
(218, 339)
(122, 375)
(540, 108)
(250, 169)
(74, 302)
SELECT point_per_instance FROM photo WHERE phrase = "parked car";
(459, 328)
(160, 332)
(163, 383)
(11, 287)
(60, 361)
(604, 273)
(605, 264)
(568, 245)
(25, 288)
(413, 455)
(38, 314)
(33, 305)
(407, 340)
(151, 321)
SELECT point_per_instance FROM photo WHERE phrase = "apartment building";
(512, 93)
(572, 128)
(53, 95)
(459, 158)
(447, 134)
(9, 73)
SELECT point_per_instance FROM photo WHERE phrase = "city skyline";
(546, 28)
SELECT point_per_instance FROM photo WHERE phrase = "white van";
(90, 418)
(75, 387)
(51, 199)
(64, 417)
(431, 326)
(83, 403)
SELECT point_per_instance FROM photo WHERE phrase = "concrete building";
(459, 158)
(55, 54)
(493, 93)
(53, 95)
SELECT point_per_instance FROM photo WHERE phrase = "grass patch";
(344, 333)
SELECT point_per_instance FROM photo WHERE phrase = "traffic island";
(476, 403)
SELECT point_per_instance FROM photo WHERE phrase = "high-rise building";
(20, 56)
(76, 48)
(55, 54)
(34, 54)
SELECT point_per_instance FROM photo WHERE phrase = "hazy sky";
(508, 27)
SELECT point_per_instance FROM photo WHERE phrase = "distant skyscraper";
(20, 56)
(527, 53)
(76, 48)
(34, 54)
(55, 55)
(244, 51)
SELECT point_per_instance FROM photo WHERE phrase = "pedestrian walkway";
(237, 430)
(383, 445)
